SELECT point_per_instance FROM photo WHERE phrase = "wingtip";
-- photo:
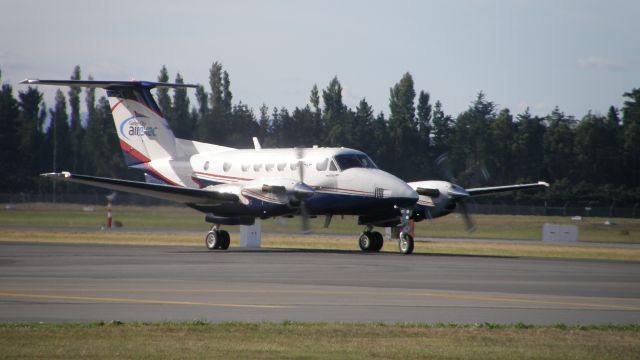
(544, 183)
(64, 174)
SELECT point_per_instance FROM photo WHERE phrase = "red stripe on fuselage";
(221, 176)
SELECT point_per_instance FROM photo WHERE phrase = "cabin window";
(293, 166)
(257, 167)
(206, 166)
(322, 165)
(333, 167)
(226, 166)
(269, 167)
(281, 166)
(245, 167)
(348, 161)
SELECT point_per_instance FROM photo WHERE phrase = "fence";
(567, 209)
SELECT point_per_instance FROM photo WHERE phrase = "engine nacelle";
(435, 198)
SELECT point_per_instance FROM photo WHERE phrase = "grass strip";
(237, 340)
(173, 218)
(328, 242)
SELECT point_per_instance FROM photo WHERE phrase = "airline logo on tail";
(135, 127)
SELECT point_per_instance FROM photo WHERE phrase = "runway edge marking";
(140, 301)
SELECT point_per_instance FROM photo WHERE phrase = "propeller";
(456, 192)
(302, 192)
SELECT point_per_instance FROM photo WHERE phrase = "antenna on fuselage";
(256, 143)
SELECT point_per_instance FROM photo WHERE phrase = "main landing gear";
(370, 241)
(217, 239)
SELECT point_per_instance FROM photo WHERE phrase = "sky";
(578, 55)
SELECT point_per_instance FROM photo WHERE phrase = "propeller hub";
(457, 191)
(303, 191)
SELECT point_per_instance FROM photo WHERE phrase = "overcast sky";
(579, 55)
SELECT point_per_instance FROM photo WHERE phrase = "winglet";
(543, 183)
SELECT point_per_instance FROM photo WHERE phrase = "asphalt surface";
(69, 282)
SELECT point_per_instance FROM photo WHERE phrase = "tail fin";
(143, 131)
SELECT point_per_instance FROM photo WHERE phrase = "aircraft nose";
(402, 194)
(405, 194)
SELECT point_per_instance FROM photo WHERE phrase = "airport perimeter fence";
(568, 209)
(84, 199)
(543, 210)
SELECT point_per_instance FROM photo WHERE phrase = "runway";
(42, 282)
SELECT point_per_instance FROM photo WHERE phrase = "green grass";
(198, 339)
(328, 242)
(182, 218)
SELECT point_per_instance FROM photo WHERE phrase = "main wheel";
(365, 241)
(406, 243)
(377, 240)
(212, 240)
(225, 239)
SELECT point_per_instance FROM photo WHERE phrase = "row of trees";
(594, 159)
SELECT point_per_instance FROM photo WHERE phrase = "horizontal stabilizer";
(498, 189)
(105, 84)
(166, 192)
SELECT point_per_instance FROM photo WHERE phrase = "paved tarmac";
(69, 282)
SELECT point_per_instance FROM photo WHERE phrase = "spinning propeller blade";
(302, 192)
(457, 193)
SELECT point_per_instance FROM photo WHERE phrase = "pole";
(109, 217)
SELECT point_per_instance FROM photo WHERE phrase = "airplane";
(236, 186)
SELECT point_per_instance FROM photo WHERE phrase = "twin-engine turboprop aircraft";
(236, 186)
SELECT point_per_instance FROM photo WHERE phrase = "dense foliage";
(593, 160)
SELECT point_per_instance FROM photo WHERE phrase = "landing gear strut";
(217, 239)
(405, 240)
(370, 241)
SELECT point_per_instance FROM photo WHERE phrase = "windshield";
(348, 161)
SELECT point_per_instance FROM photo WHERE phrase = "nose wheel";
(405, 243)
(217, 239)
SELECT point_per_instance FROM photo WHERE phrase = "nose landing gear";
(405, 240)
(405, 243)
(217, 239)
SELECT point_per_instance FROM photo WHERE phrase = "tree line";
(594, 159)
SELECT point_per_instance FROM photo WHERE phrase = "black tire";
(212, 240)
(365, 242)
(405, 244)
(225, 239)
(378, 241)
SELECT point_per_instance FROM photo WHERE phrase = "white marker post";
(109, 215)
(250, 235)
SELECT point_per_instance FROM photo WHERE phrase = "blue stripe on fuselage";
(321, 203)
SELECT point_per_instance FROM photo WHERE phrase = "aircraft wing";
(497, 189)
(166, 192)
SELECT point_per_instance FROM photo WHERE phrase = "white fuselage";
(345, 181)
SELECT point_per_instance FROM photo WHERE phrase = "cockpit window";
(348, 161)
(333, 167)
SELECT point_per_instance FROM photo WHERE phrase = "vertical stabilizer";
(143, 131)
